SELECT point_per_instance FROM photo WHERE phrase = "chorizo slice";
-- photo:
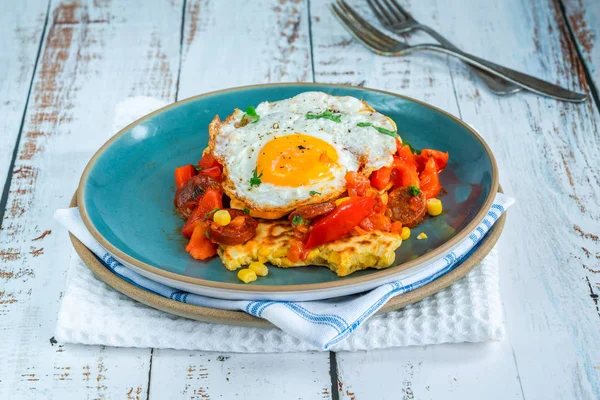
(313, 211)
(186, 198)
(241, 229)
(403, 207)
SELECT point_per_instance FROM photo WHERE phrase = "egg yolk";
(296, 160)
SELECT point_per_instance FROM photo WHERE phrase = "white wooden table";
(64, 65)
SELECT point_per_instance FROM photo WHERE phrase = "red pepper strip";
(406, 155)
(404, 174)
(214, 172)
(441, 159)
(184, 174)
(208, 161)
(381, 177)
(212, 199)
(381, 222)
(200, 247)
(297, 251)
(357, 184)
(430, 181)
(340, 221)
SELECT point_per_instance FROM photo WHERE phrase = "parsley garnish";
(247, 211)
(297, 220)
(378, 129)
(255, 180)
(251, 115)
(414, 191)
(211, 212)
(207, 234)
(327, 115)
(314, 192)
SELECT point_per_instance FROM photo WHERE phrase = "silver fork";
(397, 19)
(384, 45)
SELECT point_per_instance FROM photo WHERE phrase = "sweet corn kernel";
(222, 217)
(280, 253)
(384, 198)
(434, 207)
(247, 275)
(405, 234)
(340, 201)
(259, 268)
(421, 236)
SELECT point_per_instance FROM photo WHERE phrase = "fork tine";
(384, 39)
(395, 10)
(356, 32)
(363, 26)
(402, 10)
(379, 12)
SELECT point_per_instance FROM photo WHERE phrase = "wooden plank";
(262, 41)
(340, 59)
(21, 27)
(421, 372)
(430, 372)
(550, 288)
(584, 20)
(196, 375)
(95, 54)
(548, 153)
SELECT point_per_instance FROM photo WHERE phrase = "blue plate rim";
(380, 274)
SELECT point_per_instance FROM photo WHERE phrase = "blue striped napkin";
(321, 323)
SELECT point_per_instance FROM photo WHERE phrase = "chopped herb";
(314, 192)
(211, 212)
(378, 129)
(198, 168)
(251, 115)
(297, 220)
(255, 180)
(414, 191)
(247, 211)
(207, 234)
(327, 115)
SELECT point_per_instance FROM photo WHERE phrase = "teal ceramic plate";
(126, 193)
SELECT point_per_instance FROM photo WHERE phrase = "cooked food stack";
(311, 180)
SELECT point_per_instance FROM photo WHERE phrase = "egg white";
(357, 147)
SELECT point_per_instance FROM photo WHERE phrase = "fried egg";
(299, 150)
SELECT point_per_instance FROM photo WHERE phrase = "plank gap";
(149, 374)
(514, 356)
(310, 41)
(586, 71)
(11, 167)
(333, 373)
(454, 88)
(182, 33)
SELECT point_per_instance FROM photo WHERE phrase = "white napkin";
(93, 313)
(468, 311)
(321, 323)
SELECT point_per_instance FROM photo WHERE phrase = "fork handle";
(528, 82)
(496, 84)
